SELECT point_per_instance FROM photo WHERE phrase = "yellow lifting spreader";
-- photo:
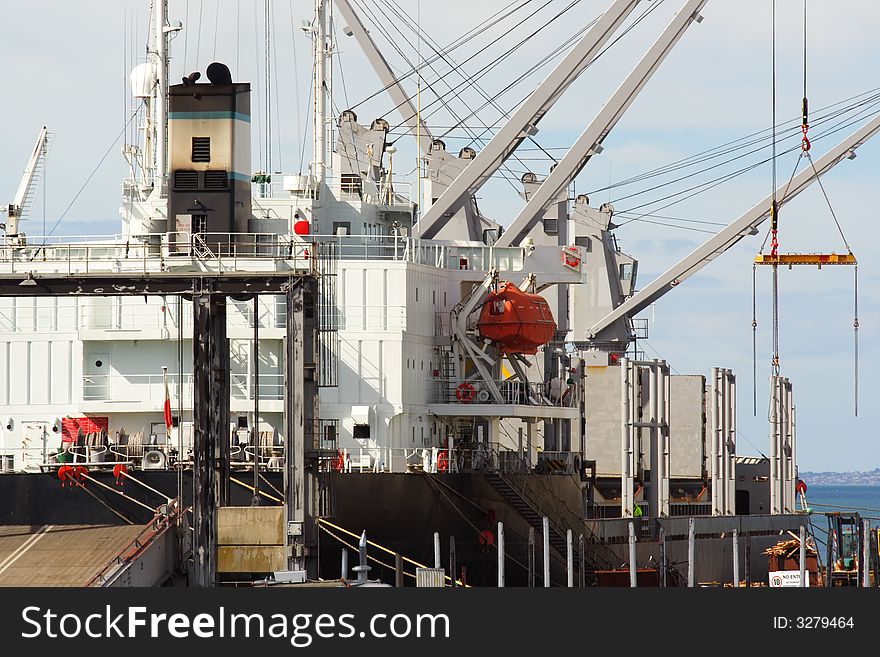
(817, 259)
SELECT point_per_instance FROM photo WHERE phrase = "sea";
(864, 500)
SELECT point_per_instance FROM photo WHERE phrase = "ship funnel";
(142, 80)
(219, 74)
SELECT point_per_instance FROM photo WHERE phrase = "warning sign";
(781, 578)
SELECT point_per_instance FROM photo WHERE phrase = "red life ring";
(487, 537)
(442, 461)
(339, 461)
(800, 487)
(465, 392)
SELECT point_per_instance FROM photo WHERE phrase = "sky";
(70, 74)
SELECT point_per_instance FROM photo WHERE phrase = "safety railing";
(135, 388)
(433, 460)
(271, 386)
(153, 253)
(513, 392)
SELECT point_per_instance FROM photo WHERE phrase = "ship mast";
(321, 91)
(159, 53)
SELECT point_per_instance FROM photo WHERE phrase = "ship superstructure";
(447, 343)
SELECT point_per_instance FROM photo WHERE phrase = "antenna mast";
(320, 92)
(160, 117)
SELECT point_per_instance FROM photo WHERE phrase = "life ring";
(465, 392)
(339, 461)
(442, 461)
(800, 487)
(487, 537)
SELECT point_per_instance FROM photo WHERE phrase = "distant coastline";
(870, 478)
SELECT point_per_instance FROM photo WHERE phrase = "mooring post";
(569, 557)
(531, 559)
(735, 558)
(661, 539)
(829, 561)
(452, 559)
(692, 576)
(582, 573)
(633, 582)
(501, 555)
(546, 564)
(802, 536)
(398, 570)
(747, 559)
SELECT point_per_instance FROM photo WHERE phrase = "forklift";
(844, 549)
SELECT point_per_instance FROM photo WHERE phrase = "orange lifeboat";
(518, 321)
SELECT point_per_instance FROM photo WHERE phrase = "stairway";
(523, 506)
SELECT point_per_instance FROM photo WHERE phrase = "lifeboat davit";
(518, 321)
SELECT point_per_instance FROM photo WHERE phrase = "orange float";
(518, 321)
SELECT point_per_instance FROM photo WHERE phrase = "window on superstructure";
(351, 183)
(199, 224)
(201, 149)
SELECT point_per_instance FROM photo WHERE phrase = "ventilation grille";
(201, 149)
(186, 179)
(216, 180)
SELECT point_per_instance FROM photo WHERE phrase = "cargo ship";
(452, 378)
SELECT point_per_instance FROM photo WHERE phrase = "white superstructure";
(405, 370)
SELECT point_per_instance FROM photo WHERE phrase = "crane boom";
(524, 121)
(402, 101)
(746, 225)
(590, 141)
(24, 195)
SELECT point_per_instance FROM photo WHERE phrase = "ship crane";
(728, 236)
(27, 189)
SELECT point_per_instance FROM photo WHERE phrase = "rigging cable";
(296, 78)
(774, 210)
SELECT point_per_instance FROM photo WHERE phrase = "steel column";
(211, 430)
(300, 482)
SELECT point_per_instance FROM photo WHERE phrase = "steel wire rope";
(491, 65)
(559, 49)
(712, 168)
(456, 67)
(405, 58)
(447, 49)
(748, 140)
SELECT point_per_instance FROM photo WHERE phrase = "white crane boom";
(746, 225)
(590, 141)
(402, 100)
(24, 195)
(524, 121)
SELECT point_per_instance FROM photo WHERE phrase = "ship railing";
(139, 388)
(40, 458)
(514, 392)
(433, 460)
(136, 388)
(118, 313)
(388, 192)
(151, 253)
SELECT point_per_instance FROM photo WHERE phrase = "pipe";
(546, 527)
(569, 549)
